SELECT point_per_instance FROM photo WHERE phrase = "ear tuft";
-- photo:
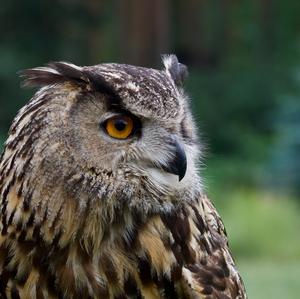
(176, 70)
(53, 73)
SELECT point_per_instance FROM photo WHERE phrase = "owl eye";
(119, 127)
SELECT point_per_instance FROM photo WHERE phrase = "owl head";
(111, 133)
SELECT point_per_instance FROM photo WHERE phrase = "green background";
(244, 63)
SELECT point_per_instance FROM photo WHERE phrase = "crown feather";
(61, 72)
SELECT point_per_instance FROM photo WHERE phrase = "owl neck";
(95, 217)
(94, 209)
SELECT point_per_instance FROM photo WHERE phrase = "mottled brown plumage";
(85, 215)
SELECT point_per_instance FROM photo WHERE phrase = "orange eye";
(119, 127)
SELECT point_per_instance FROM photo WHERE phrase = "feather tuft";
(176, 70)
(53, 73)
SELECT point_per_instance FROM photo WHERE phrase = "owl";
(100, 191)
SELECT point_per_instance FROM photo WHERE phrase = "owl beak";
(178, 164)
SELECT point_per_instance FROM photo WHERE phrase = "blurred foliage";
(285, 162)
(263, 231)
(261, 225)
(274, 280)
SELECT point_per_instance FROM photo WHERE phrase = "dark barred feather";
(73, 231)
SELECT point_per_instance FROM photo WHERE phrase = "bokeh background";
(244, 63)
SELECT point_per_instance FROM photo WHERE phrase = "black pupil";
(120, 124)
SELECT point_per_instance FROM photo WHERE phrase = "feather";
(177, 71)
(85, 217)
(53, 73)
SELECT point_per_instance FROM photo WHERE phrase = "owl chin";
(166, 179)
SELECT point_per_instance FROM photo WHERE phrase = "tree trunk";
(144, 30)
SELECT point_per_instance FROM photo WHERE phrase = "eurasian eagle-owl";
(100, 192)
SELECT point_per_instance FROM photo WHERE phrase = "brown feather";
(82, 216)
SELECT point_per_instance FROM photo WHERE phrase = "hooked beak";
(178, 164)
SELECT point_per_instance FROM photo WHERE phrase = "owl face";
(125, 129)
